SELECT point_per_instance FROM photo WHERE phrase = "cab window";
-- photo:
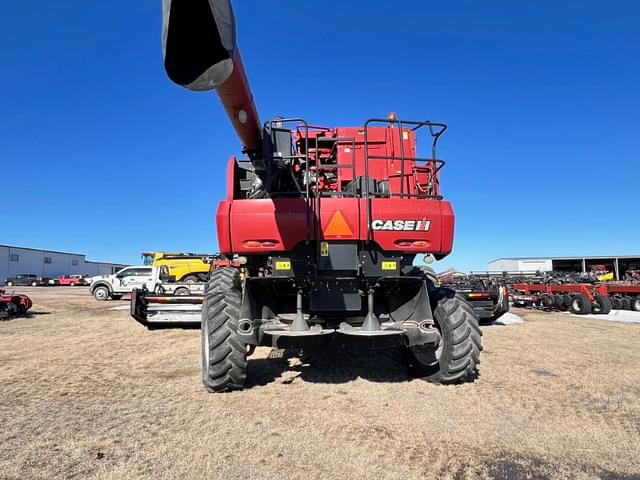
(126, 272)
(141, 272)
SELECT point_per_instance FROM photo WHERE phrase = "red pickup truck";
(71, 280)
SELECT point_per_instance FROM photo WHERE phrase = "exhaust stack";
(200, 53)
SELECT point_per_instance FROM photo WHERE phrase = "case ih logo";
(402, 225)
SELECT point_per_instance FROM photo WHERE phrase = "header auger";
(327, 223)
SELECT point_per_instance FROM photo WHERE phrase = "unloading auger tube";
(200, 54)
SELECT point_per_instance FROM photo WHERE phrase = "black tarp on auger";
(200, 53)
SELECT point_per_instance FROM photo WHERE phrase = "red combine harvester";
(12, 304)
(326, 223)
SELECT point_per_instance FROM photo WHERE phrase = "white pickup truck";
(155, 279)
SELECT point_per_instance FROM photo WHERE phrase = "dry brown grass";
(87, 393)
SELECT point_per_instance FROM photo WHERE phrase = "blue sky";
(107, 157)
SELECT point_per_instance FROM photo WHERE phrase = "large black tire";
(580, 304)
(547, 301)
(626, 303)
(616, 303)
(458, 355)
(566, 302)
(101, 293)
(224, 355)
(601, 305)
(427, 273)
(635, 304)
(189, 279)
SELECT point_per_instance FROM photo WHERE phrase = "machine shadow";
(330, 365)
(32, 313)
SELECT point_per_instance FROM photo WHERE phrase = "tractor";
(326, 222)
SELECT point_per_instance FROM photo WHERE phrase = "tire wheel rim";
(100, 294)
(575, 305)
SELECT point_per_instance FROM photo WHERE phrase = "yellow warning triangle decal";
(338, 226)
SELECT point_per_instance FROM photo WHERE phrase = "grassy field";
(87, 393)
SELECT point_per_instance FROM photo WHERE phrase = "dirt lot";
(87, 393)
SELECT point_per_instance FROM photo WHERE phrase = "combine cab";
(325, 220)
(186, 267)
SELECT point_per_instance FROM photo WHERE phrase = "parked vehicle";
(27, 279)
(72, 280)
(153, 279)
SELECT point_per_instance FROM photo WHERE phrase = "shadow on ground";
(536, 469)
(329, 365)
(29, 314)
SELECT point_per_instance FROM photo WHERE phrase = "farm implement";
(624, 296)
(489, 296)
(12, 304)
(579, 298)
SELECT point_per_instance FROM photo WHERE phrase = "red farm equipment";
(579, 298)
(624, 296)
(12, 304)
(326, 223)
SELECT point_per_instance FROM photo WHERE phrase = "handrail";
(436, 129)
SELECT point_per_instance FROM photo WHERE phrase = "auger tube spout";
(200, 54)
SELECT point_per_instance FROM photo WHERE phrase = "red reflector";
(413, 244)
(260, 243)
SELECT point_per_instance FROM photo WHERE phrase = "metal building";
(49, 263)
(617, 264)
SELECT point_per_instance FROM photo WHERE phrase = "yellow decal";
(283, 265)
(324, 249)
(389, 265)
(405, 135)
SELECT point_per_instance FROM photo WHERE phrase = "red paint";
(247, 226)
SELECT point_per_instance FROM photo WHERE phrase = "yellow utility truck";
(185, 267)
